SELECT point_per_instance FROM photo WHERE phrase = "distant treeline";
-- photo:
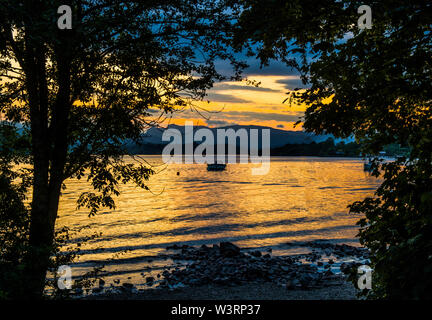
(326, 148)
(322, 149)
(329, 148)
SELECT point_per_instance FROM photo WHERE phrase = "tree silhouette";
(80, 93)
(376, 84)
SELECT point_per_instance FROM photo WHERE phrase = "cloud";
(227, 86)
(219, 123)
(263, 116)
(275, 68)
(292, 84)
(280, 126)
(154, 110)
(219, 97)
(224, 118)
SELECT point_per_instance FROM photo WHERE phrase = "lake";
(300, 199)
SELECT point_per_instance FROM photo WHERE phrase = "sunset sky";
(240, 103)
(234, 102)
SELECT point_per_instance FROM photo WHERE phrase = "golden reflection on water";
(300, 199)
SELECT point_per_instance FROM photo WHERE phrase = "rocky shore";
(225, 264)
(225, 267)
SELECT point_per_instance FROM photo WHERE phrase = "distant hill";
(151, 141)
(278, 137)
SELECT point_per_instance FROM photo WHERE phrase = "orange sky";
(240, 103)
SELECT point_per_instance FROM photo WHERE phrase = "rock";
(177, 286)
(149, 279)
(346, 268)
(173, 247)
(204, 248)
(285, 268)
(305, 280)
(127, 286)
(328, 273)
(222, 280)
(256, 254)
(227, 265)
(228, 249)
(292, 284)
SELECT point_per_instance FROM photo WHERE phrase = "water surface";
(300, 199)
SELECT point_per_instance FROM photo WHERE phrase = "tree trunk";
(41, 231)
(49, 132)
(49, 152)
(49, 148)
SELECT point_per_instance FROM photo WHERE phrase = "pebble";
(227, 265)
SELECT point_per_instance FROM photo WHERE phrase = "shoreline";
(226, 272)
(260, 291)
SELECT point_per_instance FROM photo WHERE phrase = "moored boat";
(216, 166)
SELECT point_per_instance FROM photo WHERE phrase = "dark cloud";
(227, 86)
(280, 126)
(292, 84)
(219, 97)
(250, 115)
(154, 110)
(219, 123)
(275, 68)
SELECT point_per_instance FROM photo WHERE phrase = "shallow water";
(300, 199)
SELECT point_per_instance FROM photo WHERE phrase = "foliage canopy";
(375, 84)
(79, 94)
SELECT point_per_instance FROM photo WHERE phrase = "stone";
(204, 248)
(292, 284)
(127, 286)
(256, 254)
(173, 247)
(228, 249)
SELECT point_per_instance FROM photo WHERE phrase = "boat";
(216, 166)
